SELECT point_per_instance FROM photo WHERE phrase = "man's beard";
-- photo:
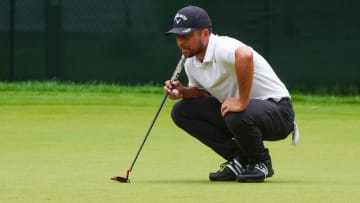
(198, 51)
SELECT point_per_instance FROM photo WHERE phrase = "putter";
(174, 77)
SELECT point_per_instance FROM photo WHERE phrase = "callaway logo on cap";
(189, 19)
(179, 17)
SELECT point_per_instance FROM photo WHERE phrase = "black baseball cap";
(189, 19)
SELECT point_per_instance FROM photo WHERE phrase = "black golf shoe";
(257, 172)
(228, 171)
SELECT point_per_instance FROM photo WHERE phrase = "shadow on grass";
(266, 182)
(170, 181)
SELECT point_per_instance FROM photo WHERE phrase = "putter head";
(121, 179)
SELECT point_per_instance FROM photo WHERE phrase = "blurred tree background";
(312, 45)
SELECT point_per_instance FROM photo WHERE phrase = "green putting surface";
(64, 146)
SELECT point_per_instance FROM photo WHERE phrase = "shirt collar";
(209, 54)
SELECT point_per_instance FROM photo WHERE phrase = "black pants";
(238, 134)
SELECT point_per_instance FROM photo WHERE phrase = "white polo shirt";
(216, 74)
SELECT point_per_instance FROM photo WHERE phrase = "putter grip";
(178, 68)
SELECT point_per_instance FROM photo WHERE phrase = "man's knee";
(176, 111)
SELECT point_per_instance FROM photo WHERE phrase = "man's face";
(193, 43)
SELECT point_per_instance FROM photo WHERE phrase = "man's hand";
(232, 104)
(174, 89)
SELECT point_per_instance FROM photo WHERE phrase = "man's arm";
(244, 67)
(183, 92)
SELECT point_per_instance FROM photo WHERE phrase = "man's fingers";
(175, 84)
(224, 110)
(168, 84)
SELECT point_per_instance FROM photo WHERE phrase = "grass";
(62, 143)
